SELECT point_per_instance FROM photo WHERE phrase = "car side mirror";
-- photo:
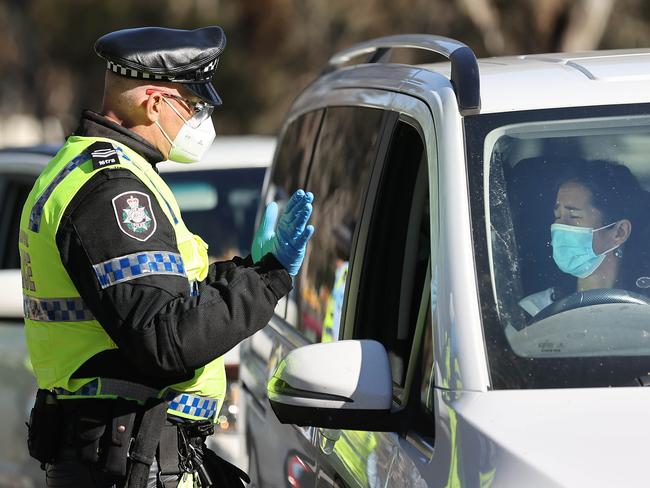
(338, 385)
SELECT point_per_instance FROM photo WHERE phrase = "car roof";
(26, 160)
(230, 152)
(555, 80)
(227, 152)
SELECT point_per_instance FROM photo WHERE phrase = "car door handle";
(327, 439)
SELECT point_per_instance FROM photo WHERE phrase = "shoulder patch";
(134, 215)
(103, 154)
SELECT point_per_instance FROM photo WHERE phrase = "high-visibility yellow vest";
(61, 332)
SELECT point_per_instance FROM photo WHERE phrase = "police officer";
(125, 319)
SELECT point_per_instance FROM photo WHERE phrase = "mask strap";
(164, 133)
(612, 248)
(160, 126)
(174, 109)
(605, 226)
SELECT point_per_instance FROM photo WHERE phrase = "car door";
(388, 299)
(344, 150)
(19, 386)
(275, 450)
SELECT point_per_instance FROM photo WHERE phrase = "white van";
(481, 254)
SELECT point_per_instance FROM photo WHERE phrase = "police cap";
(189, 57)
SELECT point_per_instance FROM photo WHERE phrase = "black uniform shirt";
(162, 332)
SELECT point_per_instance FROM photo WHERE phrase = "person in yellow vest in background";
(342, 236)
(125, 319)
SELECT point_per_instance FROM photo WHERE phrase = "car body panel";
(516, 83)
(509, 436)
(11, 298)
(260, 355)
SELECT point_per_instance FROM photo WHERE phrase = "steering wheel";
(599, 296)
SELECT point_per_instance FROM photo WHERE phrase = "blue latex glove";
(288, 240)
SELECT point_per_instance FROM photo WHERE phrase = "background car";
(219, 198)
(19, 168)
(220, 195)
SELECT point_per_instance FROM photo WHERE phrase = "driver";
(597, 207)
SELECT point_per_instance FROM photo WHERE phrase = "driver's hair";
(617, 194)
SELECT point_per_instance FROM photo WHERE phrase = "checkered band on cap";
(136, 265)
(37, 210)
(56, 309)
(194, 405)
(203, 73)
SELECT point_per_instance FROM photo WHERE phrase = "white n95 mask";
(191, 143)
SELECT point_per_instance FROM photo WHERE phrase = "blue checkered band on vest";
(194, 405)
(37, 211)
(56, 309)
(136, 265)
(185, 403)
(89, 389)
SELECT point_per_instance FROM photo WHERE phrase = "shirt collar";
(93, 124)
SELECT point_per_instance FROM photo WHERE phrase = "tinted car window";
(13, 193)
(346, 148)
(398, 249)
(293, 158)
(220, 206)
(290, 170)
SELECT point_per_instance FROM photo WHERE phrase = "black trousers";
(68, 472)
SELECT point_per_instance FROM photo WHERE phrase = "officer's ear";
(153, 105)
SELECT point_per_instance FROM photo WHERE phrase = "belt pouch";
(223, 473)
(116, 442)
(44, 428)
(90, 425)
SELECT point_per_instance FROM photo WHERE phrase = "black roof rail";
(464, 67)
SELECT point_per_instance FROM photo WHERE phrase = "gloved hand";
(289, 240)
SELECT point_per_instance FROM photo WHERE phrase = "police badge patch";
(134, 214)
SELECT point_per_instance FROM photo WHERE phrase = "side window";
(14, 190)
(294, 155)
(393, 301)
(339, 176)
(290, 168)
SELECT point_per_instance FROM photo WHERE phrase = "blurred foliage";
(275, 47)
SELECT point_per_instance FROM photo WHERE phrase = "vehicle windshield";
(561, 212)
(220, 206)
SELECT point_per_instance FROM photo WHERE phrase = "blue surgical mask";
(573, 249)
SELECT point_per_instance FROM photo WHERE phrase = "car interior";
(523, 175)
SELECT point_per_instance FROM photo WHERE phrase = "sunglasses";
(200, 110)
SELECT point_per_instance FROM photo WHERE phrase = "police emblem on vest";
(134, 215)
